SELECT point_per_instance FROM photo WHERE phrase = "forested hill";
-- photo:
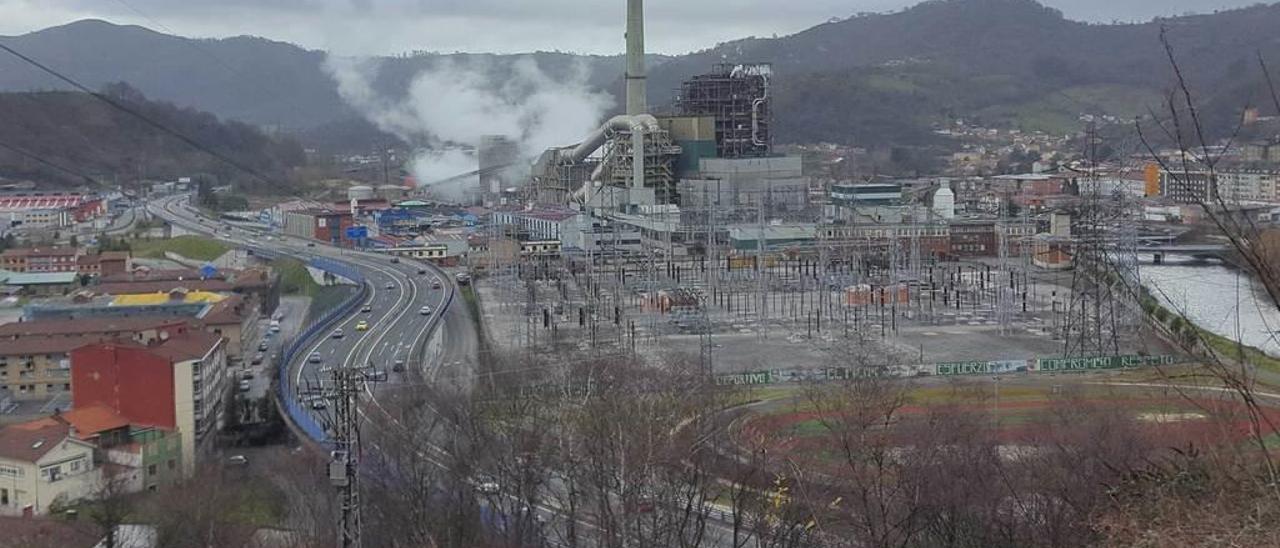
(869, 79)
(880, 76)
(63, 137)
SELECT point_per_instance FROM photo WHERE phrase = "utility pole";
(342, 390)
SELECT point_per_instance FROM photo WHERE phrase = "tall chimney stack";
(636, 101)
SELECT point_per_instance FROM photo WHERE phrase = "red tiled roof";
(86, 326)
(224, 312)
(28, 346)
(43, 201)
(41, 252)
(188, 346)
(91, 421)
(29, 441)
(155, 275)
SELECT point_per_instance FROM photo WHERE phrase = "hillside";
(870, 79)
(1004, 61)
(89, 137)
(253, 80)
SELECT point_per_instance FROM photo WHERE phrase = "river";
(1225, 301)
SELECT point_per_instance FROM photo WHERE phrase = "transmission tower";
(1099, 299)
(342, 391)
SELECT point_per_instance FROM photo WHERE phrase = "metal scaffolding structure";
(738, 97)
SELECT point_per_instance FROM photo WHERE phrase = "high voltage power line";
(132, 112)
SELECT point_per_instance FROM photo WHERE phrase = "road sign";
(357, 232)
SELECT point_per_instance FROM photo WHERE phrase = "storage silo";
(944, 202)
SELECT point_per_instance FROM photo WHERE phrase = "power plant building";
(737, 98)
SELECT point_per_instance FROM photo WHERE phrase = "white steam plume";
(448, 107)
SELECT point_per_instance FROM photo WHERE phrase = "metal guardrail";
(287, 392)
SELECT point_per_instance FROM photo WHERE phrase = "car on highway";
(422, 271)
(395, 260)
(314, 358)
(425, 310)
(246, 386)
(237, 460)
(463, 278)
(337, 333)
(319, 405)
(390, 286)
(435, 284)
(362, 325)
(398, 367)
(367, 309)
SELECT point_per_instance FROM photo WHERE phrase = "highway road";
(397, 324)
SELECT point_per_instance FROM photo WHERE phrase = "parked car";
(237, 460)
(263, 346)
(246, 386)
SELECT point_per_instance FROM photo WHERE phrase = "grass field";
(196, 248)
(1022, 415)
(294, 278)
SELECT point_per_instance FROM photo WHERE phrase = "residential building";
(39, 260)
(981, 238)
(1187, 187)
(35, 369)
(35, 356)
(934, 238)
(178, 384)
(1249, 185)
(64, 259)
(43, 464)
(140, 457)
(105, 263)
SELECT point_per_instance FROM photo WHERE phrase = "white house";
(41, 463)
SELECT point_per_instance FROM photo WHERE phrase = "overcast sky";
(586, 26)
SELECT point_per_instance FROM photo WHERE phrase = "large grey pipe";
(637, 103)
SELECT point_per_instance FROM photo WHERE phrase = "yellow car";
(362, 326)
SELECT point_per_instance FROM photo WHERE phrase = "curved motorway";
(398, 293)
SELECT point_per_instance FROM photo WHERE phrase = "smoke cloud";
(448, 107)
